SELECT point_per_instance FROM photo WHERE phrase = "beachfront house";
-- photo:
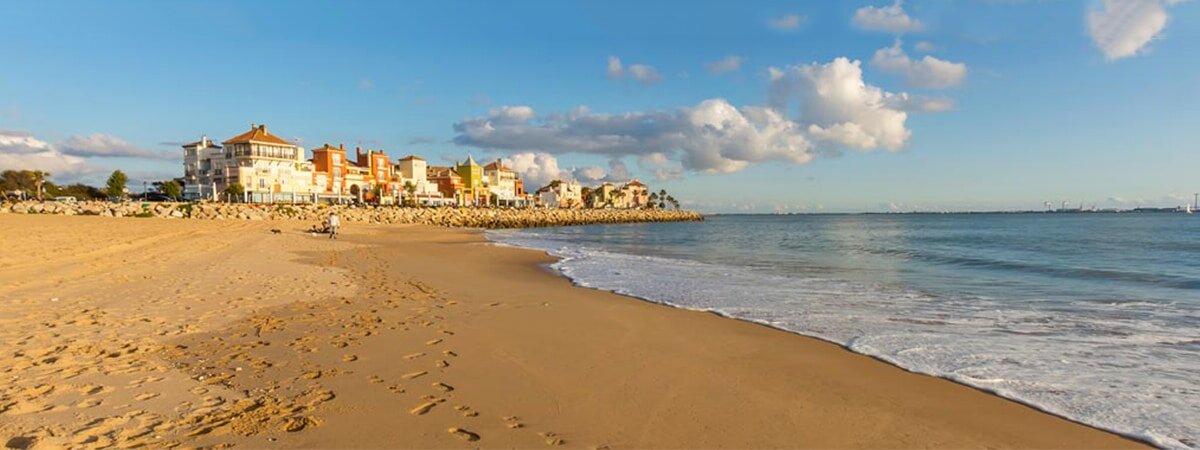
(474, 186)
(503, 185)
(203, 169)
(413, 172)
(269, 168)
(561, 194)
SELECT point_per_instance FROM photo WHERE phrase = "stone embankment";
(450, 217)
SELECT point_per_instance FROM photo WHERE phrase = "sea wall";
(450, 217)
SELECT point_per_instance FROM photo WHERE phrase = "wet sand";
(119, 332)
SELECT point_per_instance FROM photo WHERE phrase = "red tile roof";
(257, 134)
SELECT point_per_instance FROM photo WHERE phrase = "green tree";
(674, 203)
(17, 181)
(115, 186)
(77, 190)
(653, 200)
(234, 191)
(170, 188)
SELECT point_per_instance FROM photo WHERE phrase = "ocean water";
(1094, 317)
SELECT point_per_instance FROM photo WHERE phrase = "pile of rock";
(449, 217)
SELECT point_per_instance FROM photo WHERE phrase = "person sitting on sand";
(333, 224)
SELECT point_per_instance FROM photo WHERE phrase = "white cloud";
(711, 137)
(837, 109)
(366, 84)
(728, 64)
(1123, 28)
(536, 169)
(787, 22)
(644, 74)
(103, 145)
(906, 102)
(927, 72)
(840, 107)
(890, 19)
(614, 69)
(23, 151)
(925, 46)
(662, 166)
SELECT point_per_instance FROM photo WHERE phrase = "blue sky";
(952, 104)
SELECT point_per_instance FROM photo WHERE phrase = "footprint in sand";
(147, 396)
(433, 342)
(551, 438)
(396, 388)
(443, 387)
(513, 422)
(441, 363)
(422, 408)
(411, 375)
(349, 358)
(449, 353)
(413, 355)
(375, 379)
(89, 403)
(466, 411)
(464, 434)
(311, 375)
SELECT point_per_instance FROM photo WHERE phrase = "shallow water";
(1095, 317)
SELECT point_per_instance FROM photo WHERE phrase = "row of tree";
(35, 184)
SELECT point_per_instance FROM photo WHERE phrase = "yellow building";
(475, 189)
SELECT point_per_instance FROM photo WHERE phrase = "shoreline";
(549, 269)
(426, 337)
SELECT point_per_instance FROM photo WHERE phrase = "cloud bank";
(23, 151)
(107, 146)
(836, 109)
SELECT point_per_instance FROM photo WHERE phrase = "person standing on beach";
(334, 223)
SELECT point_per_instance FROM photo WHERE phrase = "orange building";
(448, 182)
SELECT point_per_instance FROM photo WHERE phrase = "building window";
(262, 183)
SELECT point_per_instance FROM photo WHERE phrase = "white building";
(561, 194)
(413, 169)
(502, 183)
(203, 166)
(269, 168)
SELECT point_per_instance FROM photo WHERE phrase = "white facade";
(268, 168)
(415, 170)
(203, 164)
(562, 194)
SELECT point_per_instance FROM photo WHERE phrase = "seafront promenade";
(444, 216)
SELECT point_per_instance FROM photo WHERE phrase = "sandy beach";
(162, 333)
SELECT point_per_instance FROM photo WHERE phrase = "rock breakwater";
(449, 217)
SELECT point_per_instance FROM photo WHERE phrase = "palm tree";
(674, 203)
(653, 200)
(39, 180)
(662, 198)
(411, 189)
(617, 195)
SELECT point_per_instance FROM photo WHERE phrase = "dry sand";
(156, 332)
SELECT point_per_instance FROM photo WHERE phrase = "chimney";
(342, 147)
